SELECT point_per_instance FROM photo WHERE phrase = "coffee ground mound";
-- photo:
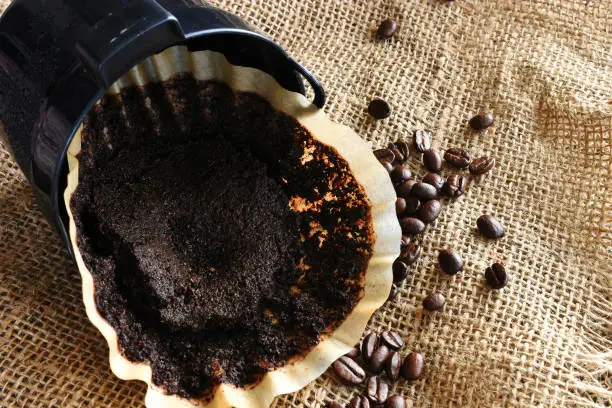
(223, 239)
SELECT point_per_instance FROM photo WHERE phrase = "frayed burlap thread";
(544, 68)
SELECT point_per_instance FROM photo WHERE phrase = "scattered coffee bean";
(359, 402)
(392, 366)
(368, 345)
(332, 404)
(422, 140)
(400, 173)
(481, 121)
(489, 226)
(434, 179)
(412, 226)
(399, 156)
(388, 166)
(400, 206)
(377, 391)
(429, 211)
(349, 371)
(450, 262)
(403, 190)
(405, 241)
(454, 185)
(393, 293)
(457, 157)
(386, 29)
(402, 147)
(400, 270)
(410, 253)
(434, 302)
(395, 401)
(354, 353)
(379, 109)
(432, 160)
(412, 369)
(496, 276)
(412, 205)
(392, 339)
(384, 155)
(377, 362)
(481, 165)
(424, 191)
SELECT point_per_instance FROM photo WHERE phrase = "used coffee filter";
(373, 178)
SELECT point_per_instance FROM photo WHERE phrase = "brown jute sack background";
(544, 68)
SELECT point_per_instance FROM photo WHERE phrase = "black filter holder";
(58, 57)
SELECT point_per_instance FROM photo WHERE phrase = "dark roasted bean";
(402, 147)
(457, 157)
(412, 369)
(393, 293)
(399, 156)
(386, 29)
(400, 206)
(377, 391)
(481, 165)
(405, 240)
(434, 179)
(332, 404)
(412, 226)
(454, 186)
(422, 140)
(412, 205)
(392, 339)
(379, 109)
(359, 402)
(496, 276)
(432, 160)
(354, 353)
(424, 191)
(392, 366)
(377, 362)
(368, 345)
(395, 401)
(400, 173)
(489, 226)
(481, 121)
(400, 270)
(388, 166)
(434, 302)
(410, 253)
(348, 370)
(429, 211)
(450, 262)
(403, 190)
(384, 155)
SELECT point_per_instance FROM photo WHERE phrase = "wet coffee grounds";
(223, 239)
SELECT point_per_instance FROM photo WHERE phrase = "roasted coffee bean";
(368, 345)
(454, 186)
(400, 173)
(395, 401)
(422, 140)
(354, 353)
(412, 368)
(349, 371)
(403, 190)
(377, 362)
(403, 148)
(410, 253)
(359, 402)
(489, 226)
(434, 179)
(388, 166)
(392, 339)
(412, 226)
(412, 205)
(424, 191)
(434, 302)
(393, 293)
(400, 270)
(386, 29)
(432, 160)
(392, 366)
(332, 404)
(400, 206)
(377, 391)
(481, 165)
(481, 121)
(405, 241)
(450, 262)
(384, 155)
(458, 157)
(399, 156)
(429, 211)
(379, 109)
(496, 276)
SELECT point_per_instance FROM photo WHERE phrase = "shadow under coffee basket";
(58, 57)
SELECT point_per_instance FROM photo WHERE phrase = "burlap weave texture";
(544, 68)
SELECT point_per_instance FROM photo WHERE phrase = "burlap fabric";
(545, 69)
